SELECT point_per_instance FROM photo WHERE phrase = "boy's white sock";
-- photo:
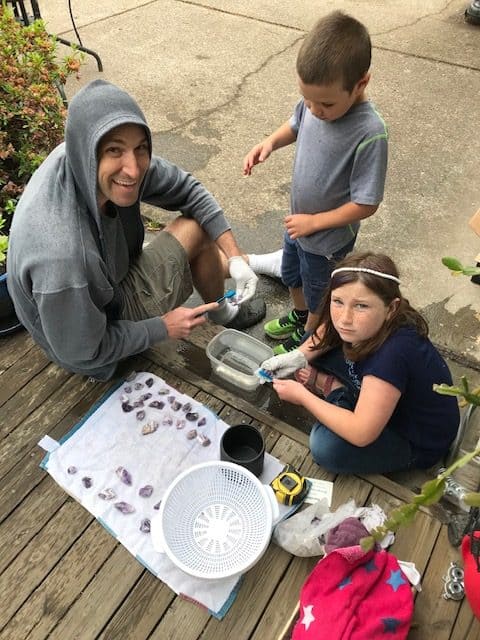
(270, 264)
(225, 313)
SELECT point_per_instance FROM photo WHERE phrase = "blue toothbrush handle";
(228, 294)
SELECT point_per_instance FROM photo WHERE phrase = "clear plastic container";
(235, 356)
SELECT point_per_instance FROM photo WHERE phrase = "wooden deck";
(62, 576)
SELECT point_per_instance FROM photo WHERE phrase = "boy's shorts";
(309, 271)
(159, 281)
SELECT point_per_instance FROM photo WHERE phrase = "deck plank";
(467, 627)
(434, 616)
(40, 556)
(38, 423)
(14, 347)
(63, 576)
(97, 603)
(24, 523)
(51, 600)
(21, 372)
(140, 611)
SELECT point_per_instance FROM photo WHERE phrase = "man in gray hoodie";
(81, 283)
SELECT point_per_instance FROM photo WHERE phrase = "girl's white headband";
(380, 274)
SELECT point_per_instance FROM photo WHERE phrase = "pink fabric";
(353, 595)
(472, 575)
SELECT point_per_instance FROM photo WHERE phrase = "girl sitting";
(366, 375)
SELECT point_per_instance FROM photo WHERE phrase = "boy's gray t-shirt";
(337, 162)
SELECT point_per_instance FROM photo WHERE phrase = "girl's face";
(357, 312)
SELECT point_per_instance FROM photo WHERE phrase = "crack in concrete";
(416, 21)
(419, 56)
(243, 15)
(238, 91)
(293, 28)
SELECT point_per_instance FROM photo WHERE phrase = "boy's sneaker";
(281, 328)
(293, 342)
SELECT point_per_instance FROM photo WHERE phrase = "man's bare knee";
(189, 234)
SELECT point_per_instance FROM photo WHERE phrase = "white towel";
(91, 457)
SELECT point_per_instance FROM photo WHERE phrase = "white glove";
(245, 279)
(284, 365)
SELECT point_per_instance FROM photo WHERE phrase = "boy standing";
(339, 167)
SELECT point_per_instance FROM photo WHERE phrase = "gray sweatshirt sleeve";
(82, 340)
(169, 187)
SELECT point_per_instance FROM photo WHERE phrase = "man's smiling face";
(123, 160)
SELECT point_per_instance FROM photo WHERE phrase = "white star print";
(308, 617)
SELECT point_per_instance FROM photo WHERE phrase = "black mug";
(243, 444)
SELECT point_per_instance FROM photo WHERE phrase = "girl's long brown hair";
(326, 336)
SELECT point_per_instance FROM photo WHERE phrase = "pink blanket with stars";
(355, 595)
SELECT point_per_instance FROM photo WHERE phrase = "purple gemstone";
(191, 416)
(149, 382)
(145, 526)
(124, 475)
(146, 491)
(187, 407)
(138, 385)
(145, 397)
(107, 494)
(141, 415)
(202, 422)
(157, 404)
(124, 507)
(87, 482)
(192, 434)
(176, 405)
(157, 506)
(127, 389)
(72, 470)
(204, 441)
(126, 406)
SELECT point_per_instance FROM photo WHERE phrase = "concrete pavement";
(214, 77)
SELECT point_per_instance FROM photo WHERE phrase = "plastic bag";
(304, 533)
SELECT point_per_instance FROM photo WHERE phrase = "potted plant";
(32, 117)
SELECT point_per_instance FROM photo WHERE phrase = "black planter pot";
(9, 323)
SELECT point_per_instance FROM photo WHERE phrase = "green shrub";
(32, 112)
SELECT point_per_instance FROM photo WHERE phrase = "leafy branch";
(469, 397)
(458, 269)
(433, 490)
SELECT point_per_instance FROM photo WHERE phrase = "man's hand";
(181, 321)
(284, 365)
(299, 225)
(259, 153)
(245, 278)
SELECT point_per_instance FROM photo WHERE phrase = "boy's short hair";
(338, 48)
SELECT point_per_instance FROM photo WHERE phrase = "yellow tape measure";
(290, 487)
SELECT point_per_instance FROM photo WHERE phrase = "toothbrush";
(264, 375)
(228, 294)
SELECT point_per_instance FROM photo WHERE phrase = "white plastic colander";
(215, 520)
